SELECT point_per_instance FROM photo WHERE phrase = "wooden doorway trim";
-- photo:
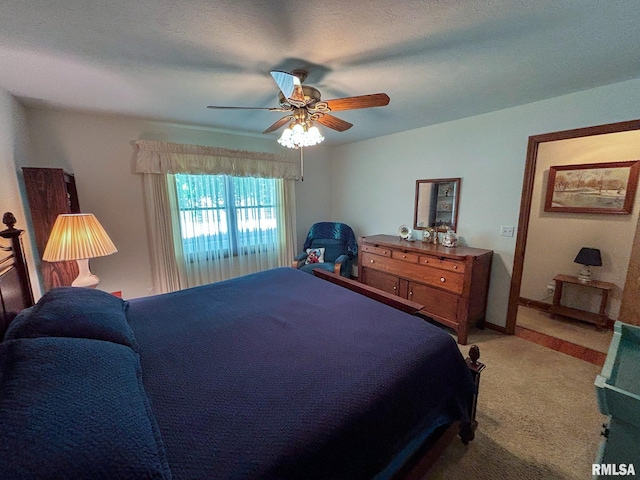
(629, 306)
(527, 194)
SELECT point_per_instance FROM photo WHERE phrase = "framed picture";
(592, 188)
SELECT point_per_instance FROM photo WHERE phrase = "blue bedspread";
(75, 408)
(282, 375)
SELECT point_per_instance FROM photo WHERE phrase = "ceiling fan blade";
(362, 101)
(290, 86)
(219, 107)
(334, 123)
(280, 123)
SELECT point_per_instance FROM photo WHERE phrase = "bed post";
(467, 430)
(16, 253)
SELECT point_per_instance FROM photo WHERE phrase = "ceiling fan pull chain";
(301, 164)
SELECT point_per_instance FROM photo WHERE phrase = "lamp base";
(585, 274)
(85, 278)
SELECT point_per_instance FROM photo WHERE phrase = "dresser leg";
(462, 334)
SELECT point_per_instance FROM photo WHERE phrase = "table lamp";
(78, 237)
(588, 257)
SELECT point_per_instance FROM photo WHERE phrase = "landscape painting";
(592, 188)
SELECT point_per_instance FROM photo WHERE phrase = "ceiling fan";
(303, 104)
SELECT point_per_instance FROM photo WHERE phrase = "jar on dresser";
(451, 283)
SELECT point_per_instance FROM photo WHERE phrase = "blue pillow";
(76, 408)
(75, 312)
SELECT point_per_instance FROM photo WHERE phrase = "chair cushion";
(332, 248)
(308, 268)
(333, 230)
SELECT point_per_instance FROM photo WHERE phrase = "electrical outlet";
(506, 231)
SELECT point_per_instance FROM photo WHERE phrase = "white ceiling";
(438, 60)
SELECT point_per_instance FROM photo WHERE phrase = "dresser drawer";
(405, 256)
(444, 263)
(436, 302)
(441, 278)
(437, 277)
(385, 252)
(371, 260)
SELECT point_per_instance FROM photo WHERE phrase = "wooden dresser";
(451, 283)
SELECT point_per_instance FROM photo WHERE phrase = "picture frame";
(605, 188)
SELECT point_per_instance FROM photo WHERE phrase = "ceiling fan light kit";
(300, 135)
(304, 108)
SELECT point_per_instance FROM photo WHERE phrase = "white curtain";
(173, 268)
(165, 271)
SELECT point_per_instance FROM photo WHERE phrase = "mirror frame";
(456, 202)
(527, 194)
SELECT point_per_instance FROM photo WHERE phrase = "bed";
(274, 375)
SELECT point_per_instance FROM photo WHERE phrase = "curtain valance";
(171, 158)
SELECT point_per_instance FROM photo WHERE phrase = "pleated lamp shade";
(78, 237)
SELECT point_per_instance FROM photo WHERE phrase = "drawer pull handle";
(395, 288)
(372, 261)
(455, 267)
(426, 261)
(411, 293)
(384, 252)
(442, 279)
(404, 256)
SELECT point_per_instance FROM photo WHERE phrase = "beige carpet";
(580, 333)
(537, 413)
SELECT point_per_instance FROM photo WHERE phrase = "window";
(227, 215)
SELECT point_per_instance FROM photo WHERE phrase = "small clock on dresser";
(405, 232)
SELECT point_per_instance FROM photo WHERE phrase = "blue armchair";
(339, 244)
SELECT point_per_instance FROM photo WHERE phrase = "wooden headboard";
(15, 287)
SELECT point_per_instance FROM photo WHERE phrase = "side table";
(600, 319)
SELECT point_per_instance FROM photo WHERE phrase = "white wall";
(373, 182)
(98, 150)
(13, 148)
(313, 195)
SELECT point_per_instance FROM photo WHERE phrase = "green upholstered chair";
(331, 246)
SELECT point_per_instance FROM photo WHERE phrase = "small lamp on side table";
(588, 257)
(78, 237)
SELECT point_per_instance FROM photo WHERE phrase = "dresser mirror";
(437, 204)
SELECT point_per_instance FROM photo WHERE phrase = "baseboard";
(537, 304)
(497, 328)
